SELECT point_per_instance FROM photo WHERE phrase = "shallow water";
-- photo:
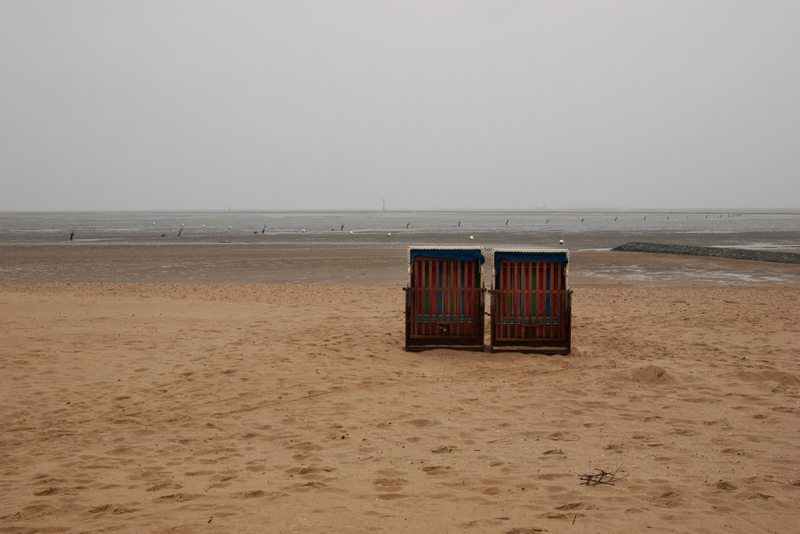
(768, 230)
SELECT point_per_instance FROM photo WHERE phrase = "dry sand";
(271, 407)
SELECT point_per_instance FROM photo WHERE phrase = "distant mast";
(384, 204)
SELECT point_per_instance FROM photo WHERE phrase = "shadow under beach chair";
(445, 298)
(531, 304)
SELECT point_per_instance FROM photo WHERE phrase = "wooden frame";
(531, 303)
(445, 298)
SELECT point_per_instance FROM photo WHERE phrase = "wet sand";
(170, 392)
(384, 265)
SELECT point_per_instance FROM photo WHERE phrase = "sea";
(762, 229)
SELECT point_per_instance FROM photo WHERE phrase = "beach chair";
(531, 304)
(444, 298)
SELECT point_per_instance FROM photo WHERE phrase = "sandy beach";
(217, 220)
(224, 391)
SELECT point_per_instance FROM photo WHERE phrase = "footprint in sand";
(164, 485)
(420, 423)
(309, 471)
(576, 506)
(563, 436)
(175, 497)
(389, 488)
(256, 467)
(436, 469)
(488, 522)
(669, 499)
(560, 515)
(48, 491)
(117, 510)
(99, 509)
(308, 486)
(724, 485)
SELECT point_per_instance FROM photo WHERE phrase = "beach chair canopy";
(447, 253)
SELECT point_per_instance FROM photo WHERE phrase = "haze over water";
(761, 229)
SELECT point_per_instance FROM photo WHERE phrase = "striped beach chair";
(444, 298)
(531, 304)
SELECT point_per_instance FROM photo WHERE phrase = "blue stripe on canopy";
(552, 257)
(465, 254)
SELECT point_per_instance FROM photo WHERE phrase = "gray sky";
(429, 104)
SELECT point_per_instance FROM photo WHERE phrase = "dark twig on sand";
(600, 476)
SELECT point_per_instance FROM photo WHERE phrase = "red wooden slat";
(539, 298)
(426, 295)
(509, 298)
(464, 302)
(554, 307)
(533, 297)
(518, 298)
(435, 290)
(422, 266)
(453, 294)
(463, 296)
(546, 294)
(500, 298)
(421, 289)
(514, 288)
(468, 298)
(457, 305)
(560, 299)
(428, 330)
(457, 294)
(528, 284)
(513, 312)
(469, 321)
(456, 300)
(549, 276)
(445, 287)
(553, 300)
(512, 285)
(472, 310)
(506, 299)
(562, 307)
(526, 289)
(414, 285)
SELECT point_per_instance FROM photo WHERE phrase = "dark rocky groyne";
(717, 252)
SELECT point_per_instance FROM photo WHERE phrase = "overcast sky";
(147, 105)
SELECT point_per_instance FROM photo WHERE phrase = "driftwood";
(600, 476)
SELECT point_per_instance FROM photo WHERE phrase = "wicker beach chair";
(444, 298)
(531, 304)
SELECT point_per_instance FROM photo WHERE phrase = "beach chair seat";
(447, 318)
(530, 321)
(531, 303)
(445, 298)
